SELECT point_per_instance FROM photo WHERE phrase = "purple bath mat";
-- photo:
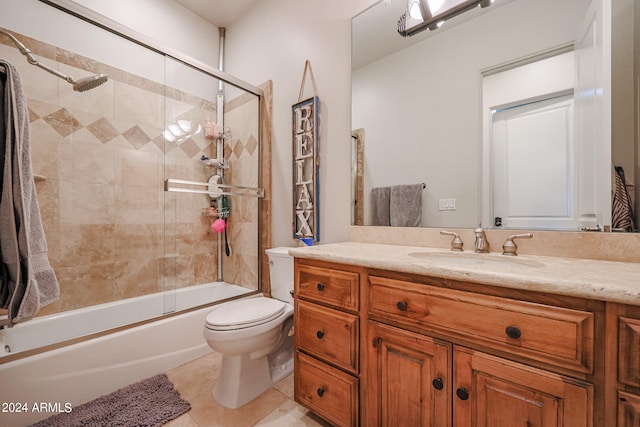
(151, 402)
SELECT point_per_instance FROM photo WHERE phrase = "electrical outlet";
(447, 204)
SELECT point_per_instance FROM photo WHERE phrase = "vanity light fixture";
(431, 14)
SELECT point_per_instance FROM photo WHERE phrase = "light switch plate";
(447, 204)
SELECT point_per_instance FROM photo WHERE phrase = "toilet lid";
(245, 313)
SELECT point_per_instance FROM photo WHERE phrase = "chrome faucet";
(510, 248)
(456, 243)
(482, 244)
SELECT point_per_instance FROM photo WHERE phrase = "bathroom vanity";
(397, 335)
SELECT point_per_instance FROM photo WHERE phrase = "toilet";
(254, 336)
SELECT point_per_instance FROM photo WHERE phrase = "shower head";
(88, 83)
(80, 85)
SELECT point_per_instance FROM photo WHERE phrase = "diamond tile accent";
(164, 145)
(103, 130)
(238, 148)
(136, 137)
(63, 122)
(251, 145)
(33, 116)
(190, 148)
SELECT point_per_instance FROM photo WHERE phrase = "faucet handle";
(456, 243)
(510, 248)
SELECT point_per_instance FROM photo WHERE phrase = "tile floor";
(274, 408)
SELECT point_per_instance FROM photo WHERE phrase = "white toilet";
(255, 337)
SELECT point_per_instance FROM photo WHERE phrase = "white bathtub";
(80, 372)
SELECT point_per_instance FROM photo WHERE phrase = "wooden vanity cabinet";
(427, 378)
(418, 381)
(408, 378)
(629, 367)
(327, 340)
(382, 348)
(492, 391)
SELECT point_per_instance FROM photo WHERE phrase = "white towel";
(28, 281)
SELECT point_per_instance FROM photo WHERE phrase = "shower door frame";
(90, 16)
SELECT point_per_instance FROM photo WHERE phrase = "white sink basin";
(473, 259)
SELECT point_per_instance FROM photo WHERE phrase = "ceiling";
(375, 33)
(220, 13)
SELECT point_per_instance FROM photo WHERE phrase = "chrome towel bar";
(177, 185)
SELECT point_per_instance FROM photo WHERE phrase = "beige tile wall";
(242, 153)
(112, 231)
(622, 247)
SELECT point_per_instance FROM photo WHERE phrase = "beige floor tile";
(208, 413)
(290, 414)
(274, 408)
(285, 386)
(184, 420)
(196, 378)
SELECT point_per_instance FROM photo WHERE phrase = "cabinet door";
(489, 391)
(408, 380)
(628, 410)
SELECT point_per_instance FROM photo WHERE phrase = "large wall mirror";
(513, 116)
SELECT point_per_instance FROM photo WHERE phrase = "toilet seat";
(244, 313)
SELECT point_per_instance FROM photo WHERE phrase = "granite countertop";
(592, 279)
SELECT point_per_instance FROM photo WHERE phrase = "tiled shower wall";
(242, 153)
(112, 231)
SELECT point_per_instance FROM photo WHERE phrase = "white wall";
(167, 22)
(272, 42)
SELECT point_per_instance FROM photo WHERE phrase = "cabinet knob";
(402, 305)
(513, 332)
(462, 393)
(320, 391)
(438, 384)
(320, 334)
(320, 286)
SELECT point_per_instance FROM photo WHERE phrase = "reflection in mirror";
(422, 103)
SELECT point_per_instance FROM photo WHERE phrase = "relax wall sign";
(306, 213)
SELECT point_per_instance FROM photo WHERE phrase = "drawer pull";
(513, 332)
(438, 384)
(320, 334)
(320, 391)
(462, 393)
(320, 286)
(402, 305)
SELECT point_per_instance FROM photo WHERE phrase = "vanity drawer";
(549, 334)
(629, 352)
(328, 334)
(328, 286)
(327, 391)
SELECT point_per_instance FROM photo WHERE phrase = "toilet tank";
(281, 273)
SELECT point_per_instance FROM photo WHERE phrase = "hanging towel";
(406, 205)
(380, 204)
(622, 216)
(28, 281)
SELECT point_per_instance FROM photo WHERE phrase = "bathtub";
(77, 373)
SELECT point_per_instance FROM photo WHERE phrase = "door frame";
(494, 97)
